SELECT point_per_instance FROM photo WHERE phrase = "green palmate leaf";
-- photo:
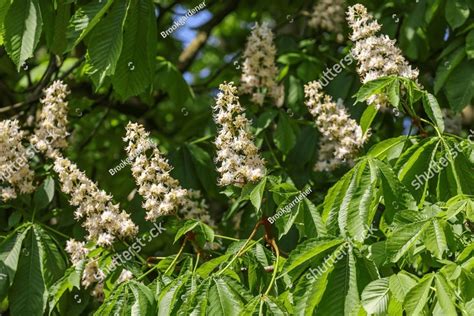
(285, 138)
(457, 11)
(445, 295)
(174, 85)
(394, 94)
(135, 67)
(206, 232)
(206, 268)
(333, 200)
(418, 296)
(388, 149)
(308, 250)
(274, 306)
(10, 252)
(188, 226)
(116, 303)
(106, 40)
(313, 223)
(251, 307)
(237, 287)
(264, 120)
(373, 87)
(470, 44)
(286, 221)
(23, 25)
(55, 24)
(53, 260)
(4, 281)
(71, 279)
(435, 239)
(404, 238)
(375, 296)
(256, 195)
(223, 300)
(342, 298)
(396, 196)
(197, 304)
(28, 292)
(400, 284)
(4, 5)
(143, 304)
(45, 194)
(84, 20)
(367, 118)
(395, 308)
(414, 162)
(432, 109)
(356, 209)
(447, 67)
(203, 165)
(295, 91)
(291, 58)
(171, 295)
(350, 202)
(460, 86)
(310, 290)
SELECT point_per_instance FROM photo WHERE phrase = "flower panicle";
(259, 71)
(342, 136)
(237, 158)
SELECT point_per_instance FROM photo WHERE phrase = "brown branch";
(190, 52)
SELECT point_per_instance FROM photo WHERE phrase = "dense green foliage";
(368, 239)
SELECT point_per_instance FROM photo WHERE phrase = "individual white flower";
(103, 220)
(328, 15)
(92, 274)
(77, 250)
(7, 193)
(342, 137)
(162, 194)
(237, 156)
(259, 71)
(15, 172)
(98, 292)
(105, 240)
(51, 132)
(377, 56)
(195, 207)
(125, 275)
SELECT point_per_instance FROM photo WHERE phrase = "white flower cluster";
(11, 149)
(92, 273)
(259, 71)
(125, 275)
(328, 15)
(377, 56)
(237, 156)
(342, 136)
(195, 207)
(104, 220)
(162, 194)
(77, 250)
(51, 133)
